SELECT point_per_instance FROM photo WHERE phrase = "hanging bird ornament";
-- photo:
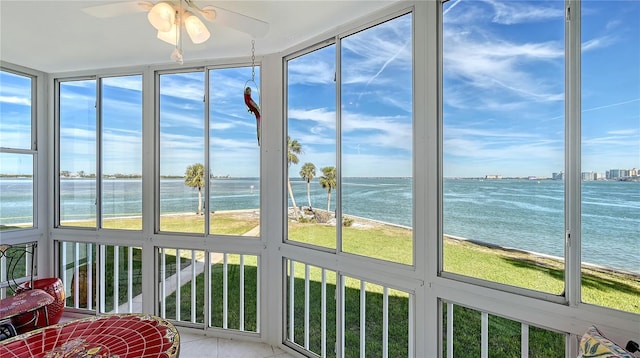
(253, 107)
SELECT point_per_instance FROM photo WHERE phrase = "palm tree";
(194, 177)
(328, 181)
(308, 172)
(293, 148)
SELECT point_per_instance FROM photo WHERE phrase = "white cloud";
(610, 105)
(24, 101)
(321, 116)
(133, 83)
(490, 63)
(311, 70)
(597, 43)
(499, 65)
(367, 54)
(516, 12)
(624, 132)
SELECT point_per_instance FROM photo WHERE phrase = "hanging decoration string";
(253, 61)
(252, 106)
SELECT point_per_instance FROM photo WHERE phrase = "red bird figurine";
(253, 108)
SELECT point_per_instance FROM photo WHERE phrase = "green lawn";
(603, 287)
(599, 286)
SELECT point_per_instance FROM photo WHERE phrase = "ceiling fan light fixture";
(162, 16)
(171, 36)
(198, 32)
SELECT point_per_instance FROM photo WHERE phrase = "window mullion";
(338, 82)
(207, 151)
(572, 159)
(99, 163)
(572, 153)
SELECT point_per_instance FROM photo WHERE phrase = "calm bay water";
(524, 214)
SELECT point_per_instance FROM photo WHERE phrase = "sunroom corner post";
(426, 118)
(272, 175)
(148, 192)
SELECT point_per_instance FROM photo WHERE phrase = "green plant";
(347, 221)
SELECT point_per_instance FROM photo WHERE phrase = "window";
(77, 153)
(377, 141)
(610, 154)
(228, 202)
(121, 152)
(350, 189)
(181, 153)
(234, 153)
(311, 111)
(503, 142)
(100, 153)
(343, 182)
(18, 151)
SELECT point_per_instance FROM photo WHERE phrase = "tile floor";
(196, 346)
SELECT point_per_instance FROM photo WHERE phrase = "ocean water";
(523, 214)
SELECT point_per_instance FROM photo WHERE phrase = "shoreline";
(364, 223)
(559, 259)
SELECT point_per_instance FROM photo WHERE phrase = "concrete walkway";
(185, 277)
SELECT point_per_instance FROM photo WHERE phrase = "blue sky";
(504, 87)
(376, 103)
(503, 100)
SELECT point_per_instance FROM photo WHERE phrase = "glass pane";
(377, 141)
(122, 153)
(182, 152)
(16, 191)
(311, 128)
(503, 109)
(77, 138)
(15, 111)
(611, 154)
(234, 153)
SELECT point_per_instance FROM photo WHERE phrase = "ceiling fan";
(171, 17)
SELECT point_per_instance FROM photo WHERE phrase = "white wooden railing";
(83, 271)
(176, 268)
(485, 348)
(344, 317)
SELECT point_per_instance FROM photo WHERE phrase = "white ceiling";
(57, 36)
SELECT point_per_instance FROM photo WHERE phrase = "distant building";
(557, 176)
(493, 176)
(588, 176)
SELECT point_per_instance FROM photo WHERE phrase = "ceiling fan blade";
(252, 26)
(118, 9)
